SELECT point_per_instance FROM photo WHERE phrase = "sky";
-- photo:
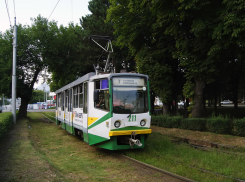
(66, 11)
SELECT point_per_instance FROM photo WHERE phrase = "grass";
(74, 159)
(70, 159)
(186, 161)
(160, 152)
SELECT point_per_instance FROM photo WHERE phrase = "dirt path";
(19, 161)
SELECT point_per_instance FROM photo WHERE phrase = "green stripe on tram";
(93, 139)
(104, 118)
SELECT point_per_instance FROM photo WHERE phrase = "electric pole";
(14, 72)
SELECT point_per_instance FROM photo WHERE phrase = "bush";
(173, 122)
(239, 127)
(219, 124)
(6, 120)
(158, 120)
(166, 121)
(197, 124)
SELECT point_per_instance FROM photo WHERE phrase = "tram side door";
(68, 111)
(66, 107)
(85, 112)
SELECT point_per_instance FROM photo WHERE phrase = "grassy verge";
(74, 160)
(6, 120)
(185, 161)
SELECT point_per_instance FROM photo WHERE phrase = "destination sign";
(124, 81)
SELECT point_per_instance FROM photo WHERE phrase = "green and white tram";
(110, 111)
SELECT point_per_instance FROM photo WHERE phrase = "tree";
(195, 33)
(65, 53)
(96, 24)
(136, 25)
(73, 48)
(38, 96)
(30, 60)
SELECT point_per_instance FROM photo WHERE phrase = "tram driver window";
(103, 91)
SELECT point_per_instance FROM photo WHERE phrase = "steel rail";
(207, 171)
(207, 148)
(48, 118)
(51, 116)
(158, 169)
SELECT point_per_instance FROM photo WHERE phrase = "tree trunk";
(197, 110)
(215, 103)
(235, 91)
(26, 96)
(165, 109)
(176, 105)
(23, 107)
(152, 102)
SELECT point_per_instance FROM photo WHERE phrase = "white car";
(181, 103)
(225, 102)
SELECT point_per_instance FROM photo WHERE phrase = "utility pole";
(14, 72)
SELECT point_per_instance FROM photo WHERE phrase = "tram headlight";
(142, 123)
(117, 124)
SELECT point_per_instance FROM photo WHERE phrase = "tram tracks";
(198, 144)
(175, 176)
(170, 176)
(47, 119)
(207, 146)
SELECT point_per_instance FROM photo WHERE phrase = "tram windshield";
(129, 95)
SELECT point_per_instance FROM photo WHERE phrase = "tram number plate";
(132, 118)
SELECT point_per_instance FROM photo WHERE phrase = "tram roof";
(109, 75)
(76, 82)
(92, 76)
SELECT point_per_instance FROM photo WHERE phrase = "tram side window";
(85, 98)
(80, 94)
(59, 100)
(75, 97)
(62, 100)
(103, 90)
(70, 100)
(66, 100)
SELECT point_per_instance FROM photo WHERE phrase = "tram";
(110, 111)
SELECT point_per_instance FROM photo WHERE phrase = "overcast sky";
(66, 11)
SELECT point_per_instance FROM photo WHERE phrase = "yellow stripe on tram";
(91, 120)
(129, 132)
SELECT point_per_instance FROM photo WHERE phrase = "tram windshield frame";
(130, 95)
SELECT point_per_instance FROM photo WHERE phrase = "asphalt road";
(41, 110)
(35, 110)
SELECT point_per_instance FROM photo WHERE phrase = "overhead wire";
(8, 13)
(54, 9)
